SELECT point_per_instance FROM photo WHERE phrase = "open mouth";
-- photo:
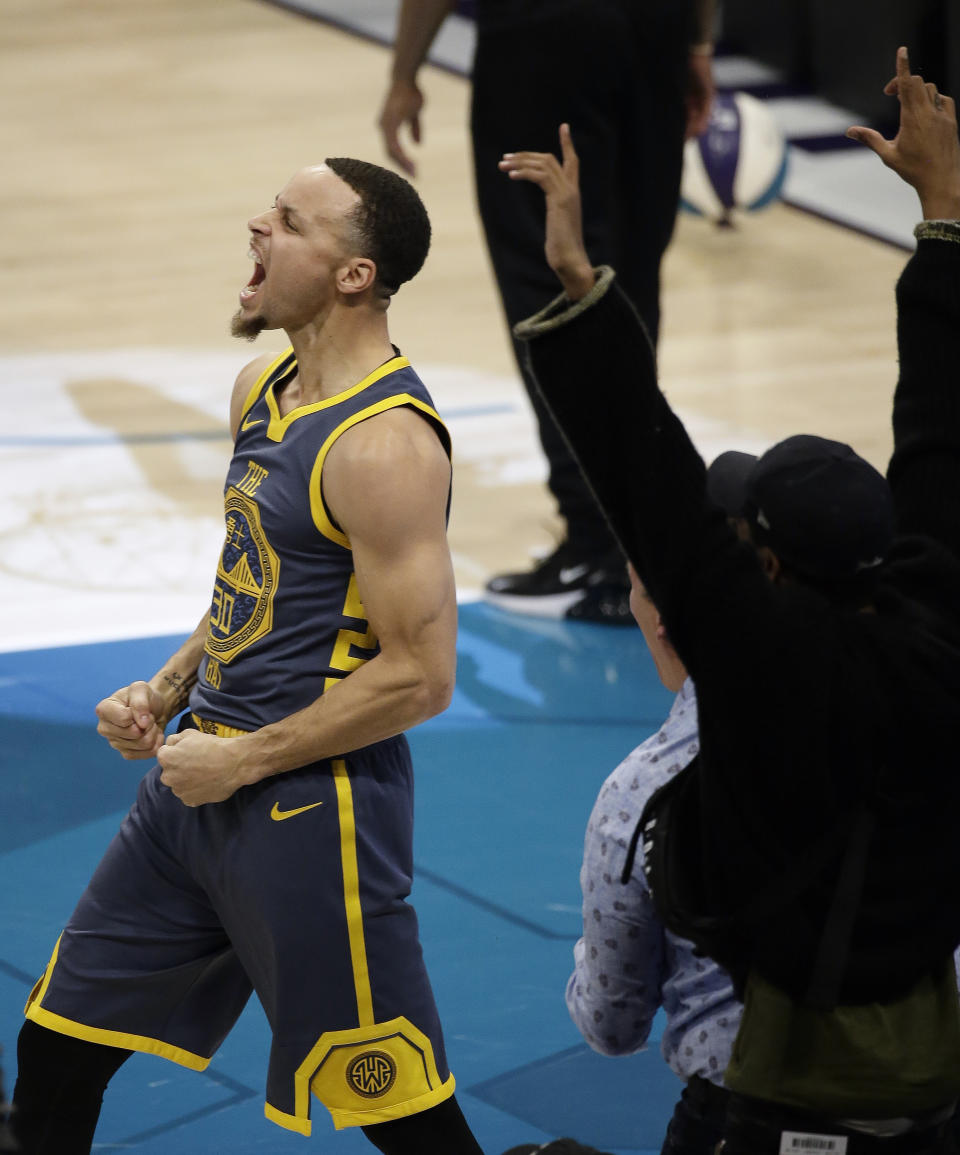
(256, 279)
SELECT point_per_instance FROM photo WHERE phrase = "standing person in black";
(632, 77)
(811, 848)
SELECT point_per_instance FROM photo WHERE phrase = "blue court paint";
(624, 1102)
(505, 782)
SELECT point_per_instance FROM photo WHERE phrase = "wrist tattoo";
(181, 686)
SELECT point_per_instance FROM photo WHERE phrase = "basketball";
(739, 163)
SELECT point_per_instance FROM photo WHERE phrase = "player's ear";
(357, 275)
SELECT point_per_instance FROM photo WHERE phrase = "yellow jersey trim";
(278, 425)
(351, 893)
(318, 509)
(36, 1012)
(257, 387)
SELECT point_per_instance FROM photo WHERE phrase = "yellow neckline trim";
(278, 425)
(257, 387)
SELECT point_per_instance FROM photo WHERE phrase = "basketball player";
(270, 849)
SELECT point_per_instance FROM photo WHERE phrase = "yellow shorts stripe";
(351, 893)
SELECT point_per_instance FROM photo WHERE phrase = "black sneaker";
(567, 584)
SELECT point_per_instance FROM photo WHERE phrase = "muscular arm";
(417, 26)
(386, 482)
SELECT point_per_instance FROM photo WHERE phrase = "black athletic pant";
(616, 71)
(698, 1119)
(61, 1081)
(59, 1090)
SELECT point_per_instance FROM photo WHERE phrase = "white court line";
(91, 551)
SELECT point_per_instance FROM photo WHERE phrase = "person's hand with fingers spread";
(926, 150)
(560, 183)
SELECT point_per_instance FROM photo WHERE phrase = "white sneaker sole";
(541, 606)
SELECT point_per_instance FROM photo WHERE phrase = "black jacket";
(807, 711)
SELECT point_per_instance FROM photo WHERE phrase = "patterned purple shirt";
(627, 964)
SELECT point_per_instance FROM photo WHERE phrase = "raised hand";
(926, 150)
(560, 182)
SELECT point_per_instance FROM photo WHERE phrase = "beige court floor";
(138, 137)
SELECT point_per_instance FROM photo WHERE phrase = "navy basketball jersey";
(286, 620)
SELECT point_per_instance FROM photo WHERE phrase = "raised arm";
(417, 26)
(594, 363)
(926, 150)
(924, 471)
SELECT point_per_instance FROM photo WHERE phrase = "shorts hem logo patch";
(371, 1074)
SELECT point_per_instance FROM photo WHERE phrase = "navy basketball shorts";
(294, 888)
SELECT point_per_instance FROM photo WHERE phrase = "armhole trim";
(322, 517)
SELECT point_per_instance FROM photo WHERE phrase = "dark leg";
(59, 1090)
(594, 65)
(441, 1130)
(698, 1121)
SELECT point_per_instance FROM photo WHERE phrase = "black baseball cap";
(821, 508)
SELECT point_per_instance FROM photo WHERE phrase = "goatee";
(249, 328)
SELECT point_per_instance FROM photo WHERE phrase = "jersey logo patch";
(279, 815)
(372, 1074)
(242, 609)
(248, 424)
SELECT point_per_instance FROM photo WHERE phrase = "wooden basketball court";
(138, 140)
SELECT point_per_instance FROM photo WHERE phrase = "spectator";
(811, 846)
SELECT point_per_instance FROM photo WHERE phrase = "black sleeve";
(594, 364)
(753, 648)
(924, 471)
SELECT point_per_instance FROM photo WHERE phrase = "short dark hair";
(391, 221)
